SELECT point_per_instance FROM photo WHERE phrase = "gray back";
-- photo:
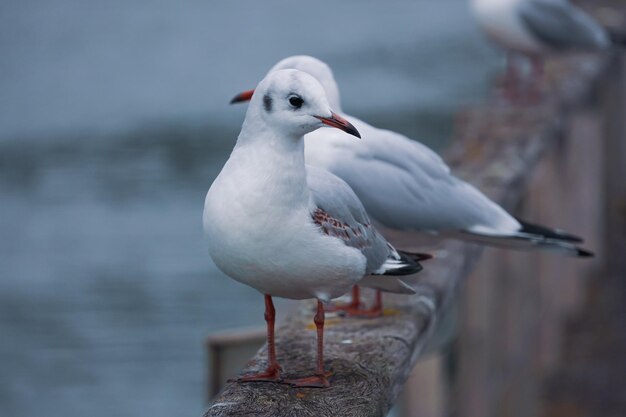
(561, 25)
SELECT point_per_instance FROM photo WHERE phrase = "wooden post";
(614, 94)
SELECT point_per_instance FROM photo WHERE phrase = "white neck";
(272, 167)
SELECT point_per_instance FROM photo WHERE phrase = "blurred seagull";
(404, 185)
(536, 28)
(291, 230)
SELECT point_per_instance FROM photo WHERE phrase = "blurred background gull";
(114, 120)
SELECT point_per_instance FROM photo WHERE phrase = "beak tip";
(241, 97)
(340, 123)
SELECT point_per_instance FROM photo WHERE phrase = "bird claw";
(271, 374)
(314, 381)
(258, 378)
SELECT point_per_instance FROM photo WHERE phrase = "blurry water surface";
(113, 123)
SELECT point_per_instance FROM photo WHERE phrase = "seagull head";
(294, 103)
(313, 66)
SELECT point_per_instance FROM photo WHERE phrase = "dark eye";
(296, 101)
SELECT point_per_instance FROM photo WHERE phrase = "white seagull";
(404, 185)
(291, 230)
(536, 28)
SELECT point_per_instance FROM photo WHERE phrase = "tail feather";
(397, 264)
(530, 236)
(418, 257)
(403, 263)
(387, 284)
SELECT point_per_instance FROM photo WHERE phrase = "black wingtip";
(405, 270)
(419, 257)
(568, 237)
(411, 264)
(584, 253)
(536, 229)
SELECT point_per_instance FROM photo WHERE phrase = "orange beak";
(245, 96)
(340, 123)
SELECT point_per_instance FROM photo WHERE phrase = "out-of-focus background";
(114, 120)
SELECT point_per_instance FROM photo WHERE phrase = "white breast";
(263, 236)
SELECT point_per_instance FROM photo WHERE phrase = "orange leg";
(375, 311)
(522, 88)
(351, 307)
(356, 297)
(535, 89)
(511, 82)
(354, 309)
(272, 373)
(319, 380)
(537, 69)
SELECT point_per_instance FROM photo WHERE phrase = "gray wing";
(561, 25)
(339, 213)
(402, 183)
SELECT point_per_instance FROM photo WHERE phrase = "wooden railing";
(559, 163)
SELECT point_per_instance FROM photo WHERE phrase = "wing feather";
(561, 25)
(338, 212)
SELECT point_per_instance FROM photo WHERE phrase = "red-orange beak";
(245, 96)
(340, 123)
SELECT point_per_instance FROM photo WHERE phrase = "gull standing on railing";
(290, 230)
(404, 185)
(537, 28)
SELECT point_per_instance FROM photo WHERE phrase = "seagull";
(288, 229)
(538, 28)
(404, 185)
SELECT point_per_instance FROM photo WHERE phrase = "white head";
(318, 69)
(312, 66)
(293, 103)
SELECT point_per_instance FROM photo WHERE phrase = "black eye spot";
(267, 103)
(296, 101)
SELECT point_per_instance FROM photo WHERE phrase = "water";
(114, 122)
